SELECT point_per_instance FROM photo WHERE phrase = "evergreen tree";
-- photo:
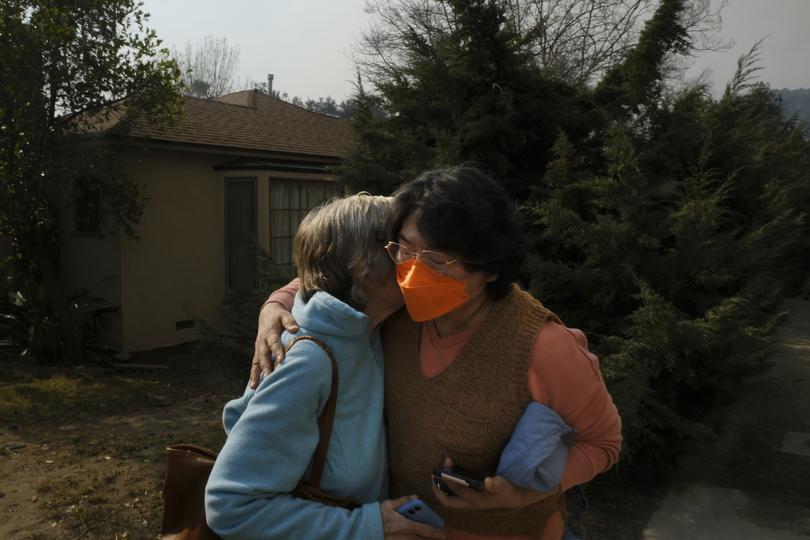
(676, 251)
(468, 94)
(638, 80)
(665, 224)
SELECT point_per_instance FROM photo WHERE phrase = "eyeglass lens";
(432, 258)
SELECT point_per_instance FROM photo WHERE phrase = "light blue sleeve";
(233, 409)
(536, 454)
(268, 450)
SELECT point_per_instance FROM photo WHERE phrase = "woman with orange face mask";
(467, 357)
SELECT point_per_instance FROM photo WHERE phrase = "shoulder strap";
(327, 416)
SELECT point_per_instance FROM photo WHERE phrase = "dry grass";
(82, 451)
(67, 398)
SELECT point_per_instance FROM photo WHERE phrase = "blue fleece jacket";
(273, 432)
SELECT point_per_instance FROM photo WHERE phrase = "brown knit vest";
(467, 412)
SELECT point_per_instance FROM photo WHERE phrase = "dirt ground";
(82, 450)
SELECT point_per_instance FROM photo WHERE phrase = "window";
(289, 203)
(240, 223)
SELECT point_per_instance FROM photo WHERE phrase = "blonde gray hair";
(340, 244)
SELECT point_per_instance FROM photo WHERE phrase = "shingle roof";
(247, 120)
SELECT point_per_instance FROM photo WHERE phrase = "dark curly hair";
(464, 210)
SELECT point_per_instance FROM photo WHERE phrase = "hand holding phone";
(417, 510)
(456, 475)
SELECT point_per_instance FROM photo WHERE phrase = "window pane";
(278, 196)
(314, 195)
(294, 190)
(290, 202)
(240, 205)
(276, 250)
(280, 251)
(241, 208)
(285, 254)
(280, 224)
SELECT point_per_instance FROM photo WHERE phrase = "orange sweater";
(563, 375)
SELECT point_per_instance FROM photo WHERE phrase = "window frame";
(288, 267)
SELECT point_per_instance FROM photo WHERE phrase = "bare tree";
(384, 51)
(574, 40)
(209, 67)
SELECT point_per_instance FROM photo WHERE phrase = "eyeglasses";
(437, 261)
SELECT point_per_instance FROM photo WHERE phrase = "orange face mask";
(427, 293)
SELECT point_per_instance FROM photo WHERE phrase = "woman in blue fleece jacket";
(347, 290)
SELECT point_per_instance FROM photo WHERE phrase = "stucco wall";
(91, 274)
(174, 271)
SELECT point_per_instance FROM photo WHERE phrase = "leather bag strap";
(327, 417)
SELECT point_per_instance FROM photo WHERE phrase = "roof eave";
(125, 140)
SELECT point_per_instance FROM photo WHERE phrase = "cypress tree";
(665, 224)
(467, 94)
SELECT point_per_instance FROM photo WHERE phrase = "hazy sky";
(785, 27)
(307, 44)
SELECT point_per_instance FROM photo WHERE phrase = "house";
(231, 176)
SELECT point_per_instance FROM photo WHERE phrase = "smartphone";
(417, 510)
(442, 475)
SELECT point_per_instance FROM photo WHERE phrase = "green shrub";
(674, 253)
(240, 313)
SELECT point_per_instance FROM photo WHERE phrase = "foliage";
(797, 102)
(208, 68)
(574, 41)
(27, 324)
(63, 64)
(239, 313)
(468, 94)
(329, 106)
(638, 80)
(324, 105)
(677, 250)
(666, 224)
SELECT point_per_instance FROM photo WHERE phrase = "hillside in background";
(796, 102)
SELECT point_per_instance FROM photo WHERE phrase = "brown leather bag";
(188, 467)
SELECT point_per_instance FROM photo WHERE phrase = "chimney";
(269, 84)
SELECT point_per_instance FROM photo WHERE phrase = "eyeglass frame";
(419, 253)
